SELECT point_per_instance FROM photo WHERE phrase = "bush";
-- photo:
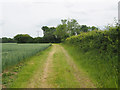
(104, 41)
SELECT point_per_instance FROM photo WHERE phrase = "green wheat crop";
(14, 53)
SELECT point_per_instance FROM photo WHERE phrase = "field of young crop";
(14, 53)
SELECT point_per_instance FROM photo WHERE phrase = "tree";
(38, 40)
(84, 28)
(66, 29)
(61, 32)
(64, 21)
(23, 38)
(49, 36)
(48, 31)
(45, 30)
(94, 28)
(78, 30)
(72, 26)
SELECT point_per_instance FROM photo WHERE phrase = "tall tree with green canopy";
(72, 26)
(61, 32)
(94, 28)
(23, 38)
(84, 28)
(49, 35)
(46, 30)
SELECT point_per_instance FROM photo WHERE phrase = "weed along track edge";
(84, 81)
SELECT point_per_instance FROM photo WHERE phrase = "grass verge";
(100, 67)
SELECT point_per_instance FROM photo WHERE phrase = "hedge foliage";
(106, 40)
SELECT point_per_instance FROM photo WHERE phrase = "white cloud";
(27, 16)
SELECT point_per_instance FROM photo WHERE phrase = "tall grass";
(97, 53)
(100, 67)
(14, 53)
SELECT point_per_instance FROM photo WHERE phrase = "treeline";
(66, 29)
(7, 40)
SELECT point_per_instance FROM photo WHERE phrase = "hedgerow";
(97, 53)
(106, 40)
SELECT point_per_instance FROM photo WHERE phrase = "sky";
(28, 16)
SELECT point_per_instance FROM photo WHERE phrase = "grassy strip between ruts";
(27, 70)
(62, 75)
(98, 66)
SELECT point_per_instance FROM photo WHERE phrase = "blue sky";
(28, 16)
